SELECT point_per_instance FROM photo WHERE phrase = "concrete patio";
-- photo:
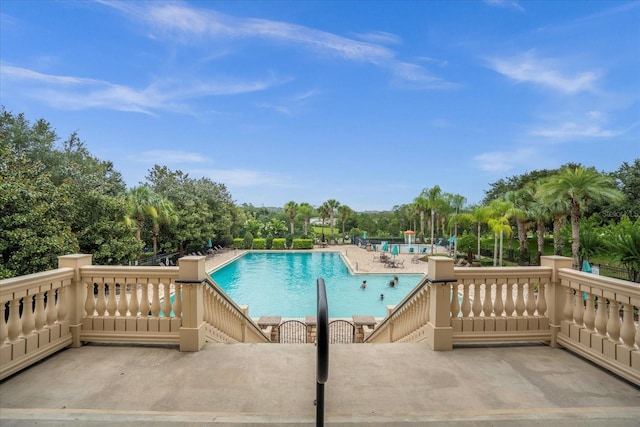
(274, 384)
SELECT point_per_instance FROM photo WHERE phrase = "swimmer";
(381, 297)
(364, 285)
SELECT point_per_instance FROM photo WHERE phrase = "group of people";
(392, 284)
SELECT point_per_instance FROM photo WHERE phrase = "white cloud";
(168, 157)
(545, 72)
(77, 93)
(379, 37)
(503, 161)
(181, 22)
(511, 4)
(570, 130)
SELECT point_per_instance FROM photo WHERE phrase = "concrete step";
(274, 384)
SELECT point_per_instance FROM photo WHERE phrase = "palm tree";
(499, 224)
(323, 212)
(291, 208)
(306, 211)
(421, 205)
(141, 205)
(344, 211)
(332, 205)
(433, 196)
(457, 201)
(520, 201)
(481, 215)
(165, 214)
(579, 186)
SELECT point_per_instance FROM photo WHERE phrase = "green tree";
(623, 242)
(433, 196)
(332, 205)
(421, 205)
(33, 231)
(344, 211)
(306, 211)
(323, 212)
(291, 208)
(579, 186)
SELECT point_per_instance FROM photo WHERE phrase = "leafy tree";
(323, 212)
(579, 186)
(628, 177)
(433, 196)
(421, 205)
(591, 242)
(32, 216)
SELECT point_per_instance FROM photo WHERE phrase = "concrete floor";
(274, 384)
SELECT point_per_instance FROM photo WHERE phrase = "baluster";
(155, 304)
(52, 312)
(134, 305)
(590, 313)
(101, 304)
(520, 299)
(477, 303)
(62, 303)
(601, 316)
(487, 306)
(509, 306)
(177, 304)
(542, 299)
(144, 300)
(4, 329)
(578, 309)
(568, 305)
(466, 303)
(531, 300)
(637, 335)
(166, 303)
(15, 324)
(112, 306)
(613, 325)
(427, 310)
(41, 317)
(28, 320)
(123, 307)
(90, 302)
(455, 300)
(498, 305)
(628, 329)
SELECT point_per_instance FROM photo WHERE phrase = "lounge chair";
(416, 259)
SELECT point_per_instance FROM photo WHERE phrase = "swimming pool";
(284, 284)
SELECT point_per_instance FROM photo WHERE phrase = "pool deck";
(359, 259)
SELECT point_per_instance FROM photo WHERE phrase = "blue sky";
(363, 102)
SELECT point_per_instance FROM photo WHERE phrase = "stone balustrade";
(79, 302)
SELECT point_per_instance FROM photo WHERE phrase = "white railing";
(45, 312)
(594, 316)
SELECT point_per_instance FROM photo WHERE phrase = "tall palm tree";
(579, 186)
(481, 215)
(421, 205)
(291, 208)
(433, 196)
(520, 201)
(344, 211)
(165, 214)
(323, 212)
(141, 205)
(332, 205)
(457, 202)
(306, 211)
(499, 224)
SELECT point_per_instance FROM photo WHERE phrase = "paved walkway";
(274, 384)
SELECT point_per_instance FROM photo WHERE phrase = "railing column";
(555, 294)
(192, 276)
(439, 330)
(76, 294)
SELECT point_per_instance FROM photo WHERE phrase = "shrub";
(467, 241)
(259, 243)
(289, 240)
(248, 240)
(278, 243)
(238, 243)
(269, 241)
(302, 244)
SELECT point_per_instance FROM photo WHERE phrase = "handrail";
(212, 284)
(322, 342)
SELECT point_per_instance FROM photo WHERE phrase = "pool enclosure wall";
(591, 315)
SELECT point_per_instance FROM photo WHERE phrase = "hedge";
(259, 243)
(302, 244)
(278, 243)
(238, 243)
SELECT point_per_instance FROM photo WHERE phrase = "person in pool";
(381, 297)
(364, 285)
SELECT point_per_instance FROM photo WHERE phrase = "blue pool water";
(284, 284)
